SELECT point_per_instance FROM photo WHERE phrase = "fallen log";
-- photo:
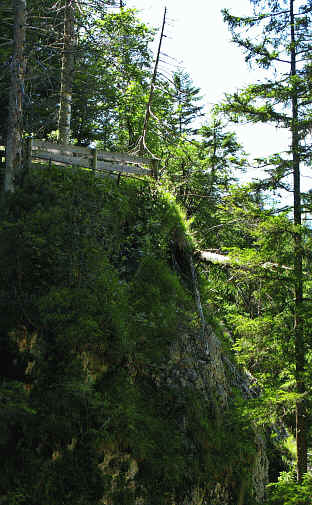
(221, 259)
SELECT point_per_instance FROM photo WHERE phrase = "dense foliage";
(104, 293)
(95, 292)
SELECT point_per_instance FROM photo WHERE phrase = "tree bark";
(298, 320)
(142, 141)
(15, 120)
(67, 73)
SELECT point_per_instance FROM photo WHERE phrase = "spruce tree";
(187, 98)
(15, 113)
(281, 43)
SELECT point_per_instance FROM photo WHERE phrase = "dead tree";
(141, 145)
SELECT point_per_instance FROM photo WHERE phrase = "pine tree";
(186, 97)
(282, 43)
(67, 72)
(15, 119)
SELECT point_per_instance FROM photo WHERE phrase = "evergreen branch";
(237, 21)
(238, 105)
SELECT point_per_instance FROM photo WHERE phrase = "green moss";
(96, 287)
(287, 491)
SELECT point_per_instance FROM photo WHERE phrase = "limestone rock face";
(260, 469)
(124, 393)
(198, 362)
(198, 366)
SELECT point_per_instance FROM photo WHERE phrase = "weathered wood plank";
(88, 151)
(28, 152)
(101, 165)
(59, 152)
(49, 146)
(83, 162)
(2, 154)
(124, 169)
(94, 159)
(67, 160)
(128, 158)
(85, 157)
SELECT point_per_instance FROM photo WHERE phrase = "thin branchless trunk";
(298, 320)
(142, 141)
(67, 73)
(15, 120)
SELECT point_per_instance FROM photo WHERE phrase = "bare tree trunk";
(298, 320)
(67, 73)
(15, 120)
(142, 141)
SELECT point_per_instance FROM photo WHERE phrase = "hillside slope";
(115, 388)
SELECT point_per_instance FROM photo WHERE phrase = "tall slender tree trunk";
(298, 319)
(15, 120)
(67, 73)
(142, 141)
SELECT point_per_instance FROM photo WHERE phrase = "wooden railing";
(85, 157)
(2, 154)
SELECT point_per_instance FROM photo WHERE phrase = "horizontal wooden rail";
(122, 168)
(86, 157)
(59, 158)
(87, 152)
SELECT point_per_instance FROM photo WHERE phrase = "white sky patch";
(199, 40)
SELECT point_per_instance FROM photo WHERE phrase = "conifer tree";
(15, 119)
(67, 72)
(282, 44)
(186, 97)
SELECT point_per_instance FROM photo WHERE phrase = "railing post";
(29, 146)
(155, 164)
(94, 158)
(74, 156)
(2, 167)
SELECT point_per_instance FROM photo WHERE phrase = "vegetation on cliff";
(155, 337)
(96, 292)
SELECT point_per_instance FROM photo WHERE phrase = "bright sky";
(200, 41)
(197, 37)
